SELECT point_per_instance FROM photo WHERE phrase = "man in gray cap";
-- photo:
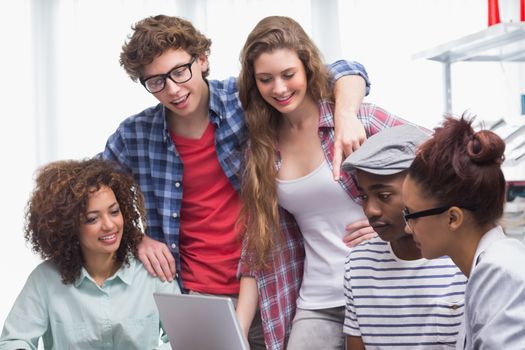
(394, 297)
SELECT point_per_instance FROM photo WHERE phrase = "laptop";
(199, 322)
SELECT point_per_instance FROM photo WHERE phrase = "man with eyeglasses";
(186, 153)
(396, 299)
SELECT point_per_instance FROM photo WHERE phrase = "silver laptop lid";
(199, 322)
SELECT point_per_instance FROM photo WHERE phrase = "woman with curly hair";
(289, 196)
(85, 220)
(454, 197)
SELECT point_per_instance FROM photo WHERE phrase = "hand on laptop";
(157, 258)
(358, 232)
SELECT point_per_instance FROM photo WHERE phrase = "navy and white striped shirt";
(399, 304)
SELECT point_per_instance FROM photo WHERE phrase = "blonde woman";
(293, 212)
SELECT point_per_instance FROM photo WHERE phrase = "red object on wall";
(522, 10)
(494, 12)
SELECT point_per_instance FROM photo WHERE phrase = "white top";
(322, 209)
(402, 304)
(495, 295)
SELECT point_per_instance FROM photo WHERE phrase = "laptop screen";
(199, 322)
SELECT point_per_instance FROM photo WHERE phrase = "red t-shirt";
(209, 244)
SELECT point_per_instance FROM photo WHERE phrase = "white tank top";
(322, 209)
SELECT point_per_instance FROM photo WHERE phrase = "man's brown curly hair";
(57, 207)
(152, 36)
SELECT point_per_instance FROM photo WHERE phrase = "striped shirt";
(399, 304)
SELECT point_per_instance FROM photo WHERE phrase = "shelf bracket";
(447, 86)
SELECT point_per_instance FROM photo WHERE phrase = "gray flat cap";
(388, 152)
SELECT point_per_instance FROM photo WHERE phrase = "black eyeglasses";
(179, 74)
(428, 212)
(419, 214)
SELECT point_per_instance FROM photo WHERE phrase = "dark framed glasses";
(419, 214)
(179, 74)
(428, 212)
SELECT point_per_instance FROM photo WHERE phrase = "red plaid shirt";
(279, 285)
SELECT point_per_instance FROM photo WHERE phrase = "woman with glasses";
(85, 220)
(454, 196)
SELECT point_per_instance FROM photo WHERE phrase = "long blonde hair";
(260, 212)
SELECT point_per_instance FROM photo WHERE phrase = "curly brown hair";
(152, 36)
(56, 210)
(260, 213)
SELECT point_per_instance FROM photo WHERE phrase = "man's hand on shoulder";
(157, 258)
(358, 232)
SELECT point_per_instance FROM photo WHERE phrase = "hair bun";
(485, 147)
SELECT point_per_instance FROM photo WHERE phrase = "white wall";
(381, 34)
(17, 149)
(385, 35)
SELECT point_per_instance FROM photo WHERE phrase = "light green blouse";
(119, 315)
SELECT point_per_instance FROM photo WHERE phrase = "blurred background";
(63, 91)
